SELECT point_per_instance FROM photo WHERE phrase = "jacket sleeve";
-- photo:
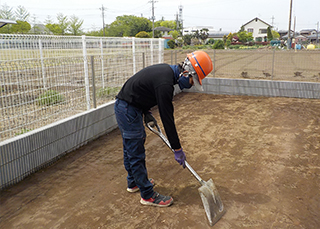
(164, 95)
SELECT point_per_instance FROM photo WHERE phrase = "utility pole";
(180, 18)
(153, 17)
(272, 21)
(102, 10)
(289, 40)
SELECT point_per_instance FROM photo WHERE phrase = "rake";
(210, 197)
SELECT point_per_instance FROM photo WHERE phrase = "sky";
(224, 15)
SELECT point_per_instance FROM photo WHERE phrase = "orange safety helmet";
(202, 64)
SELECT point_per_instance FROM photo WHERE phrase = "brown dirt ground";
(262, 153)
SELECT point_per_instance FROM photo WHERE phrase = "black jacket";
(154, 85)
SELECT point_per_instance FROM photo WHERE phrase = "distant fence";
(262, 64)
(48, 78)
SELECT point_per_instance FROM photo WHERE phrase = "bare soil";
(262, 153)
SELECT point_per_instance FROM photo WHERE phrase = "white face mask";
(187, 66)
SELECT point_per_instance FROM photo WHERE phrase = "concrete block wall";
(27, 153)
(267, 88)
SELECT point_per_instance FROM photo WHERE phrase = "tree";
(244, 36)
(6, 13)
(219, 44)
(204, 34)
(22, 14)
(174, 34)
(169, 24)
(75, 25)
(21, 27)
(187, 39)
(230, 36)
(54, 28)
(171, 44)
(275, 34)
(63, 23)
(51, 26)
(128, 25)
(143, 34)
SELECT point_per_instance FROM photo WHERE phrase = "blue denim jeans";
(130, 122)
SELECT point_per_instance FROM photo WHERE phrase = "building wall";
(257, 28)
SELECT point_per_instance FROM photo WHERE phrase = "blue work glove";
(148, 118)
(180, 157)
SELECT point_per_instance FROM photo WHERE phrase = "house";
(314, 38)
(164, 31)
(165, 35)
(307, 32)
(193, 29)
(40, 29)
(300, 39)
(258, 28)
(218, 35)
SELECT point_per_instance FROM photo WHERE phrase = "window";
(250, 30)
(262, 31)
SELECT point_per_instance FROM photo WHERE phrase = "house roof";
(256, 19)
(301, 36)
(163, 29)
(218, 34)
(4, 22)
(307, 30)
(314, 36)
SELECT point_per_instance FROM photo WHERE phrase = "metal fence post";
(274, 50)
(143, 61)
(160, 51)
(93, 84)
(86, 71)
(42, 65)
(102, 66)
(214, 63)
(151, 50)
(134, 55)
(175, 56)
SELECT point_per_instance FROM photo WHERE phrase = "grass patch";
(103, 92)
(49, 98)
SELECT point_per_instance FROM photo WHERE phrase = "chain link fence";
(47, 78)
(265, 64)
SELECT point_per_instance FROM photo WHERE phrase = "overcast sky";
(227, 15)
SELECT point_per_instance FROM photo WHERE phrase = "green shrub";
(210, 41)
(171, 44)
(50, 97)
(22, 132)
(103, 92)
(219, 44)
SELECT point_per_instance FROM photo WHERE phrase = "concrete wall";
(27, 153)
(267, 88)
